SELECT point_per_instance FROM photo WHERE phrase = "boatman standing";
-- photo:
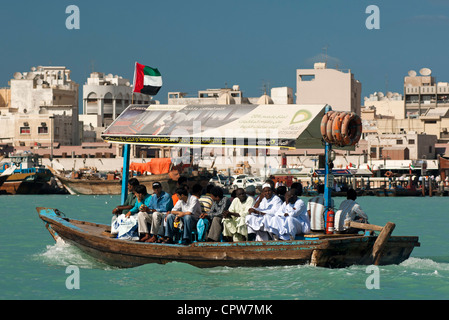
(260, 214)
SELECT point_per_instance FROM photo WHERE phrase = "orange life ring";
(351, 129)
(336, 128)
(388, 174)
(329, 127)
(323, 127)
(341, 128)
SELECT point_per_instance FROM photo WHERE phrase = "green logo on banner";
(301, 116)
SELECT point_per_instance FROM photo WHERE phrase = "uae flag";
(147, 80)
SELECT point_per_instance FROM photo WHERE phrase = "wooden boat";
(24, 174)
(398, 192)
(97, 186)
(332, 251)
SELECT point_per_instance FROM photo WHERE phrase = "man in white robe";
(291, 218)
(261, 213)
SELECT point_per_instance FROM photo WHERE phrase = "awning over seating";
(253, 126)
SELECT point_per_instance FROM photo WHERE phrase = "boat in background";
(89, 182)
(23, 173)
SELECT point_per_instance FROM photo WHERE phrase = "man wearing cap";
(261, 213)
(160, 203)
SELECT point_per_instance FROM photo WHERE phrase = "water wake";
(64, 254)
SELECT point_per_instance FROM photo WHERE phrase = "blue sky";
(199, 44)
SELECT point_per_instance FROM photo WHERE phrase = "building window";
(399, 141)
(25, 130)
(307, 77)
(411, 141)
(42, 130)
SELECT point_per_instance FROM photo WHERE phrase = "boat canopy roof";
(245, 125)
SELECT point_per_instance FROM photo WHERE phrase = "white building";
(105, 97)
(44, 107)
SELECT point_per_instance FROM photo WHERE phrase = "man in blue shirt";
(160, 204)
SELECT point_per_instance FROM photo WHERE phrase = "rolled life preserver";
(337, 129)
(351, 129)
(341, 128)
(329, 125)
(323, 127)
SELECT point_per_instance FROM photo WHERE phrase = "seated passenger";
(215, 215)
(142, 208)
(206, 203)
(315, 210)
(234, 223)
(291, 218)
(129, 202)
(349, 211)
(160, 203)
(187, 210)
(264, 208)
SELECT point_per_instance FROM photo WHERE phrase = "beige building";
(422, 93)
(280, 95)
(337, 88)
(405, 146)
(5, 99)
(43, 108)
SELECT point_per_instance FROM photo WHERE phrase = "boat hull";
(333, 252)
(28, 183)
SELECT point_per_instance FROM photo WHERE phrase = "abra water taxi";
(236, 126)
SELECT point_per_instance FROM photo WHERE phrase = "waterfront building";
(338, 88)
(223, 96)
(105, 97)
(42, 108)
(422, 92)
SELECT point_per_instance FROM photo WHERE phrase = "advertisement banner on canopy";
(255, 126)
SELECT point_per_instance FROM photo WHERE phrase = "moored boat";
(25, 174)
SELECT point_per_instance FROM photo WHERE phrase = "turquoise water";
(33, 266)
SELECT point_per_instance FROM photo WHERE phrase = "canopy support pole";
(125, 172)
(327, 171)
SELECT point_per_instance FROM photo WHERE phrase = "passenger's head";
(197, 189)
(140, 191)
(321, 188)
(216, 193)
(351, 194)
(267, 190)
(157, 188)
(241, 194)
(297, 186)
(182, 193)
(209, 188)
(132, 183)
(182, 180)
(290, 196)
